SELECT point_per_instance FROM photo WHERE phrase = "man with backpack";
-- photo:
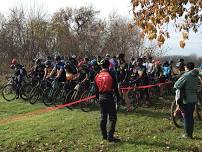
(106, 87)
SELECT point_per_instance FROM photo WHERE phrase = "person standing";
(188, 85)
(106, 87)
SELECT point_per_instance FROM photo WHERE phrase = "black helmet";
(139, 60)
(84, 66)
(48, 63)
(181, 60)
(48, 58)
(105, 63)
(58, 58)
(38, 61)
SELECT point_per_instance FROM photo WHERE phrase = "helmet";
(57, 58)
(73, 56)
(181, 60)
(48, 63)
(93, 62)
(38, 61)
(139, 60)
(105, 63)
(14, 61)
(48, 58)
(107, 55)
(84, 66)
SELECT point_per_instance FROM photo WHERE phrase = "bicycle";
(74, 95)
(177, 115)
(9, 91)
(89, 104)
(37, 92)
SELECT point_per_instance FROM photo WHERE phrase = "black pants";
(188, 118)
(108, 109)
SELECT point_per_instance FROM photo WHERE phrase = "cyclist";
(59, 70)
(38, 70)
(19, 74)
(48, 69)
(83, 76)
(123, 79)
(143, 80)
(166, 70)
(150, 68)
(73, 60)
(181, 66)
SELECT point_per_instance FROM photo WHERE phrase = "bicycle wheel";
(59, 97)
(48, 96)
(131, 94)
(87, 106)
(69, 98)
(35, 95)
(176, 116)
(9, 92)
(25, 91)
(199, 110)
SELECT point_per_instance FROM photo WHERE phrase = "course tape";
(91, 97)
(75, 102)
(147, 86)
(40, 111)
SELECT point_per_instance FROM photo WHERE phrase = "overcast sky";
(123, 7)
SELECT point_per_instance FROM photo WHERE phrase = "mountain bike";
(10, 90)
(37, 92)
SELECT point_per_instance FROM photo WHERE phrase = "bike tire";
(48, 97)
(9, 92)
(178, 121)
(25, 91)
(59, 98)
(35, 95)
(199, 110)
(69, 98)
(87, 106)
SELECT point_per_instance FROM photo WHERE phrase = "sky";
(122, 7)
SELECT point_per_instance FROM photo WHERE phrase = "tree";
(153, 16)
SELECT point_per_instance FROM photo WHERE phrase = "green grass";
(147, 129)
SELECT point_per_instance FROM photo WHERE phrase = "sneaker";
(184, 136)
(114, 140)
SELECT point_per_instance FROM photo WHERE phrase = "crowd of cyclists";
(87, 73)
(137, 72)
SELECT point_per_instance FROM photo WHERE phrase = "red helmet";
(14, 61)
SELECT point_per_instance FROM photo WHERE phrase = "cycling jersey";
(166, 71)
(48, 71)
(60, 66)
(39, 71)
(69, 76)
(19, 70)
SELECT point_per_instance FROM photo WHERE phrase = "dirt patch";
(20, 117)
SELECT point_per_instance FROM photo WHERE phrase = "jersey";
(69, 76)
(60, 66)
(166, 71)
(19, 70)
(104, 82)
(39, 71)
(48, 71)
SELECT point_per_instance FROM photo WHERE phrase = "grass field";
(147, 129)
